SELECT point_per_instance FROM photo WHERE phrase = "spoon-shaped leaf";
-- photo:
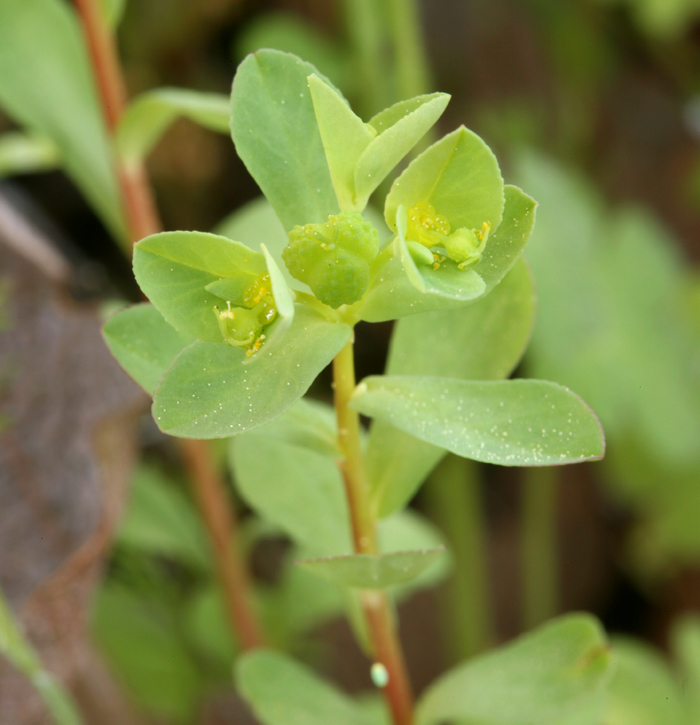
(209, 393)
(367, 571)
(508, 422)
(276, 135)
(174, 268)
(543, 678)
(143, 343)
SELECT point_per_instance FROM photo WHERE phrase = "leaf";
(508, 422)
(22, 153)
(309, 424)
(161, 520)
(643, 690)
(113, 11)
(391, 294)
(276, 135)
(685, 639)
(149, 115)
(208, 393)
(542, 678)
(282, 692)
(368, 571)
(143, 343)
(52, 93)
(141, 642)
(174, 268)
(284, 301)
(20, 653)
(297, 489)
(399, 128)
(344, 137)
(459, 176)
(484, 341)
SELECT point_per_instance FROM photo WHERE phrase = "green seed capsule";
(333, 258)
(465, 246)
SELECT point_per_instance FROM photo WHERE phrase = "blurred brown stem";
(143, 219)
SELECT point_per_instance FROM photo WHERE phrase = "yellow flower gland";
(334, 257)
(425, 226)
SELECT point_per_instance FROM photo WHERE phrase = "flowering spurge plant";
(240, 324)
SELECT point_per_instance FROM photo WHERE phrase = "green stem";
(540, 580)
(453, 496)
(366, 34)
(412, 76)
(21, 654)
(376, 605)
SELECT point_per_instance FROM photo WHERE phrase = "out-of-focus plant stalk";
(412, 74)
(540, 580)
(143, 219)
(453, 498)
(376, 605)
(366, 31)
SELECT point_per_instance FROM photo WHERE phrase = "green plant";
(235, 338)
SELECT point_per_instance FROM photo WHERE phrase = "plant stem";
(540, 580)
(366, 31)
(376, 605)
(453, 496)
(412, 76)
(142, 219)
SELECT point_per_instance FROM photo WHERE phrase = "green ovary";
(243, 326)
(463, 246)
(334, 257)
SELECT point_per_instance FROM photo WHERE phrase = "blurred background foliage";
(593, 106)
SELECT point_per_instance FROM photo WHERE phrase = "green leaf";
(458, 176)
(308, 424)
(141, 642)
(209, 393)
(483, 341)
(113, 11)
(149, 115)
(508, 422)
(344, 137)
(209, 628)
(391, 293)
(21, 655)
(52, 93)
(161, 520)
(399, 128)
(282, 692)
(143, 343)
(174, 268)
(284, 301)
(276, 135)
(295, 488)
(643, 690)
(543, 678)
(368, 571)
(685, 639)
(22, 153)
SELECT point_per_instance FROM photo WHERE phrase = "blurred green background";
(593, 107)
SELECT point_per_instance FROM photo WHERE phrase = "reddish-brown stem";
(377, 609)
(222, 527)
(142, 219)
